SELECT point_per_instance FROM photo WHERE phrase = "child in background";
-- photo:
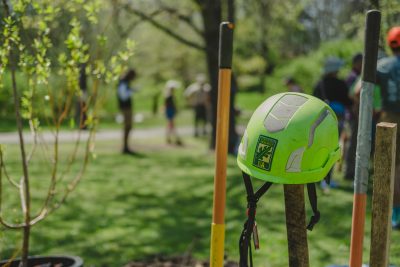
(170, 111)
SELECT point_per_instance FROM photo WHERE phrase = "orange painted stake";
(221, 148)
(221, 145)
(357, 231)
(372, 28)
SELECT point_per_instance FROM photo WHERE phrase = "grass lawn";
(161, 203)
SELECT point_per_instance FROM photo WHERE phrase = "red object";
(393, 37)
(247, 212)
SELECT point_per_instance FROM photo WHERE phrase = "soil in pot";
(51, 261)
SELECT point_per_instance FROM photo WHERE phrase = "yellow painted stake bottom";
(217, 244)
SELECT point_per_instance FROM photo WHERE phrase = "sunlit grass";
(161, 203)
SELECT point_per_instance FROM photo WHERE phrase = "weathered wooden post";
(382, 198)
(296, 225)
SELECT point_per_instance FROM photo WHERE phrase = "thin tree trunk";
(263, 13)
(231, 11)
(25, 194)
(211, 13)
(375, 4)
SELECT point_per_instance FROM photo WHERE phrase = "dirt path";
(70, 136)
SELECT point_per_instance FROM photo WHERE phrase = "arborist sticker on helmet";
(264, 153)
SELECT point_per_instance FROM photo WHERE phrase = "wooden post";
(382, 198)
(296, 225)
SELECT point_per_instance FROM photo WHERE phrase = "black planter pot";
(51, 261)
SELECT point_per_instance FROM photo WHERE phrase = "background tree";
(202, 17)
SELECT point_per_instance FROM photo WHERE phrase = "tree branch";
(46, 209)
(10, 225)
(186, 19)
(2, 221)
(163, 28)
(199, 2)
(6, 8)
(123, 33)
(4, 170)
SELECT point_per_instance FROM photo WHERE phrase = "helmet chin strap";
(245, 237)
(312, 197)
(250, 224)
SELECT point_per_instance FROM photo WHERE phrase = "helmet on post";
(291, 138)
(393, 37)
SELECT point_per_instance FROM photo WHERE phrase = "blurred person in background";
(124, 96)
(171, 111)
(352, 118)
(333, 91)
(356, 67)
(292, 85)
(198, 96)
(81, 114)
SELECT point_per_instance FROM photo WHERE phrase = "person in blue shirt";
(124, 96)
(170, 112)
(388, 79)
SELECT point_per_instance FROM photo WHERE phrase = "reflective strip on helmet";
(265, 107)
(243, 145)
(293, 100)
(273, 124)
(282, 112)
(320, 119)
(294, 162)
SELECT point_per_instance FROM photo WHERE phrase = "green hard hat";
(291, 138)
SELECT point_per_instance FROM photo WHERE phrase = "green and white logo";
(264, 153)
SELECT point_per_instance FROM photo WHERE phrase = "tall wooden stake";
(382, 198)
(296, 225)
(364, 136)
(221, 147)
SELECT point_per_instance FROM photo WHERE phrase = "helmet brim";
(313, 176)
